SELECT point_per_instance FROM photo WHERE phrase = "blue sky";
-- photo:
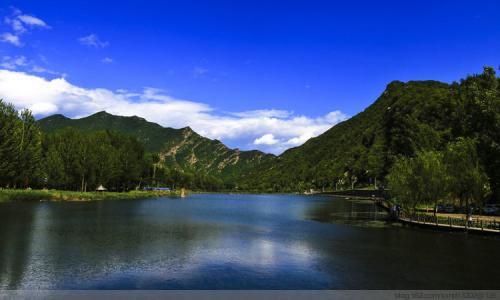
(257, 74)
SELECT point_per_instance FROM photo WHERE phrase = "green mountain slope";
(405, 118)
(177, 148)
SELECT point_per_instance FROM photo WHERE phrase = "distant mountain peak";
(58, 116)
(100, 114)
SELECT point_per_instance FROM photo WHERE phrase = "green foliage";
(431, 176)
(418, 180)
(20, 147)
(67, 159)
(400, 181)
(82, 161)
(467, 181)
(9, 195)
(477, 115)
(9, 127)
(173, 149)
(408, 118)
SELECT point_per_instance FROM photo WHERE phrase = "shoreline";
(12, 195)
(435, 224)
(446, 227)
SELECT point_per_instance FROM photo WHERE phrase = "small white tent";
(100, 188)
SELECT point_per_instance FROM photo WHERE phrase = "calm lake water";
(233, 242)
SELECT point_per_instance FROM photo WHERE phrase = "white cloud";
(268, 113)
(266, 139)
(32, 21)
(12, 63)
(16, 24)
(38, 69)
(8, 37)
(20, 63)
(19, 24)
(92, 40)
(107, 60)
(270, 130)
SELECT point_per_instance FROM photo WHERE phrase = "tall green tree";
(418, 180)
(476, 102)
(467, 180)
(20, 147)
(85, 160)
(106, 163)
(53, 166)
(29, 152)
(433, 177)
(9, 128)
(401, 182)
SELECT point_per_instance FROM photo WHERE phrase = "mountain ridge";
(177, 148)
(359, 146)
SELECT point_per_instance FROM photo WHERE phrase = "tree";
(432, 171)
(29, 153)
(107, 165)
(20, 146)
(418, 180)
(401, 183)
(9, 126)
(53, 168)
(467, 180)
(82, 161)
(476, 102)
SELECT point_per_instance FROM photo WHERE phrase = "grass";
(9, 195)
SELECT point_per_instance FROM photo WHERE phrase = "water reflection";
(230, 242)
(15, 234)
(357, 212)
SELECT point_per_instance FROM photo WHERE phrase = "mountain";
(407, 117)
(177, 148)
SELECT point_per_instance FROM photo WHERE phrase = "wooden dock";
(451, 224)
(428, 221)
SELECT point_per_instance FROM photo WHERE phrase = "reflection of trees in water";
(335, 209)
(105, 239)
(402, 257)
(16, 226)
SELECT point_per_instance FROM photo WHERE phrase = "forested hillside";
(174, 149)
(407, 118)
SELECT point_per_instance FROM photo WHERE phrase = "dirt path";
(463, 216)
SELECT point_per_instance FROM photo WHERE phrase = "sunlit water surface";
(233, 242)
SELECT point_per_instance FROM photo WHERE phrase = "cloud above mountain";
(269, 130)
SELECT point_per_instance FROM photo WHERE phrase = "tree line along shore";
(28, 195)
(71, 160)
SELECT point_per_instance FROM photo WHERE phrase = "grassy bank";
(7, 195)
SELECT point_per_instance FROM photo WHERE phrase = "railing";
(440, 221)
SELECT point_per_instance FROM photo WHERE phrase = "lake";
(219, 241)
